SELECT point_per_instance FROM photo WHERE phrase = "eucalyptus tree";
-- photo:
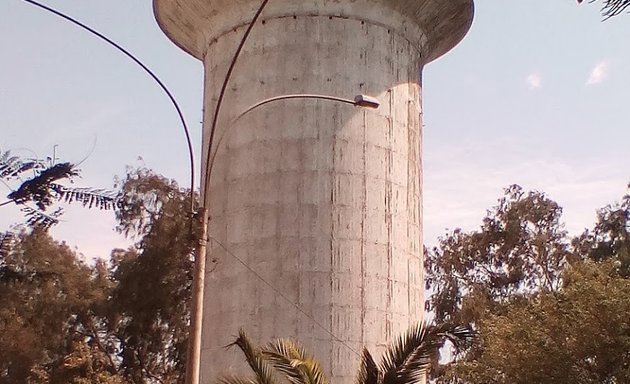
(548, 308)
(576, 335)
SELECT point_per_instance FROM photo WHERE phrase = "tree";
(404, 362)
(151, 301)
(610, 238)
(531, 293)
(520, 248)
(48, 300)
(578, 335)
(548, 309)
(126, 321)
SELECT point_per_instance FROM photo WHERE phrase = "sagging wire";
(168, 93)
(226, 81)
(283, 296)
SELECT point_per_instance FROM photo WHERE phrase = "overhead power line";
(148, 71)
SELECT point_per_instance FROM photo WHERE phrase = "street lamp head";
(366, 101)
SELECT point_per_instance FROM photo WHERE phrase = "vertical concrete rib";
(322, 200)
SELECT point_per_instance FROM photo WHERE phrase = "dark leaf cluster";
(39, 189)
(42, 184)
(13, 167)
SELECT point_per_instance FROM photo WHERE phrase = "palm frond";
(614, 7)
(235, 380)
(281, 354)
(456, 334)
(290, 359)
(313, 371)
(406, 360)
(254, 359)
(368, 370)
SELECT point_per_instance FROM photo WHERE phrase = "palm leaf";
(614, 7)
(12, 166)
(290, 359)
(368, 371)
(313, 371)
(407, 359)
(285, 356)
(254, 359)
(455, 334)
(40, 219)
(235, 380)
(38, 189)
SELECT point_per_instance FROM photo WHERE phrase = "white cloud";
(599, 73)
(534, 81)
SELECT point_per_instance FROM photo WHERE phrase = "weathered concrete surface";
(321, 200)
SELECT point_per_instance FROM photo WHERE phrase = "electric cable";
(282, 295)
(148, 71)
(217, 108)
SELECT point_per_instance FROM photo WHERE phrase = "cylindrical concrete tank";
(321, 200)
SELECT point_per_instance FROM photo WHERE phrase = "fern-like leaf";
(39, 188)
(38, 219)
(88, 197)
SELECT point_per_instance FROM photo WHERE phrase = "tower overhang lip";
(192, 24)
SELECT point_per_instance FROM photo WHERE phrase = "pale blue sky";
(536, 94)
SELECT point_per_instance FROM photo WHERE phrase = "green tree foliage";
(521, 247)
(578, 335)
(151, 298)
(49, 300)
(610, 238)
(548, 308)
(64, 321)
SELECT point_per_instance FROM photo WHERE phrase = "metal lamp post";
(196, 319)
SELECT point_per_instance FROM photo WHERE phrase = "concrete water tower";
(321, 200)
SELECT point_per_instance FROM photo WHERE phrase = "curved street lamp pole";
(359, 101)
(196, 318)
